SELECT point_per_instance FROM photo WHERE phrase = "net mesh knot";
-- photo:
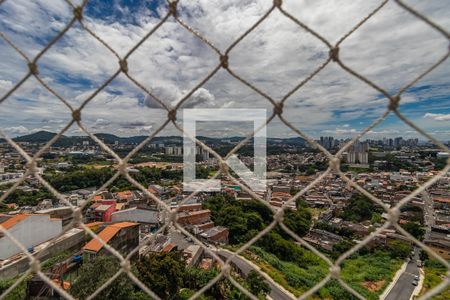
(334, 54)
(78, 13)
(224, 61)
(76, 115)
(32, 66)
(172, 115)
(278, 108)
(123, 65)
(394, 103)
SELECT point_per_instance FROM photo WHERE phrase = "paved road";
(429, 213)
(404, 288)
(245, 267)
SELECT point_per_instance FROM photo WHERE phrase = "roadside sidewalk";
(419, 284)
(394, 281)
(267, 277)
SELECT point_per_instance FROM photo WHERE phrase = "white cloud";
(340, 131)
(5, 85)
(17, 130)
(437, 117)
(102, 122)
(391, 49)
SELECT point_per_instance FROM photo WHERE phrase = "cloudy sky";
(391, 49)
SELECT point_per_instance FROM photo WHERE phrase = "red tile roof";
(18, 218)
(14, 220)
(106, 235)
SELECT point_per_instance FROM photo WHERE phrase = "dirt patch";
(373, 286)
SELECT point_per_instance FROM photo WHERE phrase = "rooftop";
(106, 235)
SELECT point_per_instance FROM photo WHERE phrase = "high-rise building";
(358, 153)
(327, 142)
(202, 153)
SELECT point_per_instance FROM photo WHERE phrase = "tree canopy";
(360, 208)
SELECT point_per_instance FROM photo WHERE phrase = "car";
(414, 282)
(416, 277)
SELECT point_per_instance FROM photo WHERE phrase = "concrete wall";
(136, 215)
(30, 232)
(72, 242)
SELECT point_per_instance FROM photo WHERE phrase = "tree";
(94, 274)
(399, 249)
(195, 278)
(242, 218)
(256, 284)
(284, 249)
(423, 255)
(162, 273)
(298, 221)
(359, 208)
(376, 218)
(414, 229)
(341, 247)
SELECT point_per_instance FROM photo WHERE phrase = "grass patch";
(19, 292)
(368, 274)
(434, 273)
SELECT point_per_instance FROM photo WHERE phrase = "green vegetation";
(30, 198)
(92, 177)
(297, 279)
(85, 177)
(298, 220)
(244, 219)
(360, 208)
(399, 249)
(93, 274)
(19, 292)
(348, 168)
(439, 163)
(435, 272)
(342, 231)
(161, 273)
(256, 284)
(166, 274)
(415, 229)
(394, 164)
(368, 274)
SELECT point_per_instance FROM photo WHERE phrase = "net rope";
(171, 220)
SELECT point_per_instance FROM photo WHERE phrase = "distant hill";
(64, 141)
(43, 137)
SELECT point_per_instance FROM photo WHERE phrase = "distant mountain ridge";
(45, 136)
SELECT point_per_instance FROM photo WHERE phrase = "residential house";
(28, 229)
(123, 237)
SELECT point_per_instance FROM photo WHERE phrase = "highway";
(404, 288)
(276, 293)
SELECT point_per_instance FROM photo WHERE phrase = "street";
(276, 293)
(404, 288)
(429, 214)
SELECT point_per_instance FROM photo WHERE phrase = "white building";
(134, 214)
(442, 155)
(30, 230)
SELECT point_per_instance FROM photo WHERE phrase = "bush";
(360, 208)
(399, 249)
(244, 219)
(93, 274)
